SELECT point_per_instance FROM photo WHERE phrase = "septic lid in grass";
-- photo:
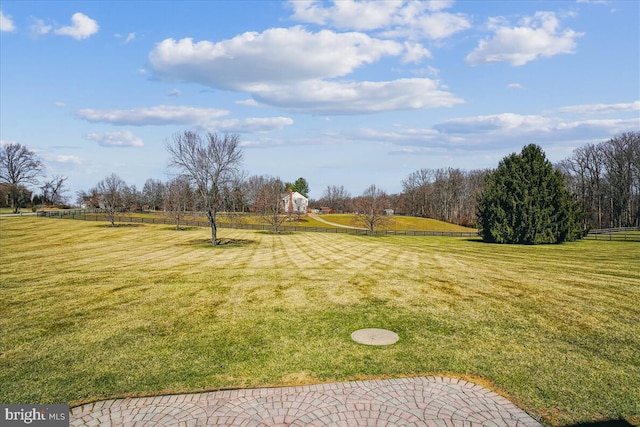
(374, 336)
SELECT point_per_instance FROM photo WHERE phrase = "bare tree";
(584, 171)
(621, 160)
(153, 193)
(131, 199)
(268, 201)
(417, 188)
(371, 207)
(606, 181)
(251, 188)
(111, 195)
(444, 194)
(234, 201)
(177, 198)
(210, 163)
(18, 166)
(336, 197)
(53, 190)
(88, 199)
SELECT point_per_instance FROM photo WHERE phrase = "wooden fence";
(98, 215)
(627, 234)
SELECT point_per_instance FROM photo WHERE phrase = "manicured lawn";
(399, 223)
(395, 222)
(89, 312)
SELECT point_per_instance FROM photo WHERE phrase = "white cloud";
(248, 102)
(204, 118)
(515, 86)
(362, 15)
(498, 133)
(415, 53)
(601, 108)
(39, 27)
(81, 27)
(266, 123)
(329, 97)
(251, 124)
(435, 26)
(591, 128)
(158, 115)
(252, 59)
(290, 68)
(122, 138)
(494, 123)
(415, 20)
(68, 159)
(401, 136)
(174, 92)
(538, 36)
(500, 128)
(6, 23)
(130, 37)
(436, 5)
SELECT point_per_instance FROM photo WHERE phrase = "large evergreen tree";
(301, 186)
(525, 201)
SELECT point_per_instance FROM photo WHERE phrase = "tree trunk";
(211, 213)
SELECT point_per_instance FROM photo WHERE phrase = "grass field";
(91, 312)
(399, 223)
(395, 222)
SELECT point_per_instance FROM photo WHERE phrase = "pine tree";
(525, 201)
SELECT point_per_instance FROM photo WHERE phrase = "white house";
(295, 202)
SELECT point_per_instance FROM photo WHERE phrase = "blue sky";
(340, 93)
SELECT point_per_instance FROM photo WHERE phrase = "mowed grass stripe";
(92, 312)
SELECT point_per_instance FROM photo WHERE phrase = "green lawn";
(400, 223)
(395, 222)
(90, 312)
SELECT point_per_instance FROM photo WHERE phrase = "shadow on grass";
(475, 240)
(185, 228)
(271, 232)
(206, 243)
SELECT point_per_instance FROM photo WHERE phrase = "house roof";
(295, 195)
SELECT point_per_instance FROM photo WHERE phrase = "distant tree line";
(603, 178)
(445, 194)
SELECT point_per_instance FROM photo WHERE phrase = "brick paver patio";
(423, 401)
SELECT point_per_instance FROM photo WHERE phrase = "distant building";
(295, 202)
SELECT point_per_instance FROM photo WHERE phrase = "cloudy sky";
(348, 93)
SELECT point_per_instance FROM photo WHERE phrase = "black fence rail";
(233, 221)
(627, 234)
